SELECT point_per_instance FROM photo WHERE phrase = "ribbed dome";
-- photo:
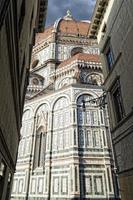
(73, 27)
(66, 25)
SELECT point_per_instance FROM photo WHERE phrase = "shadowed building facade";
(112, 24)
(64, 151)
(19, 20)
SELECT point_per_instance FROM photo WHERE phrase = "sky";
(80, 9)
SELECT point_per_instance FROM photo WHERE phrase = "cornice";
(44, 65)
(40, 46)
(42, 10)
(73, 68)
(45, 91)
(98, 15)
(63, 39)
(65, 71)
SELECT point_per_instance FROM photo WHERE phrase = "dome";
(67, 26)
(73, 27)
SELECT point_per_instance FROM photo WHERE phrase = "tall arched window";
(88, 120)
(40, 148)
(61, 120)
(26, 130)
(41, 136)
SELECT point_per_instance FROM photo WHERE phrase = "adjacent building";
(112, 24)
(65, 149)
(19, 20)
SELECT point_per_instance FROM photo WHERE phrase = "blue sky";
(81, 9)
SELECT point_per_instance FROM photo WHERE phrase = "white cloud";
(81, 9)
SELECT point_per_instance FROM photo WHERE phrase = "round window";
(35, 81)
(34, 64)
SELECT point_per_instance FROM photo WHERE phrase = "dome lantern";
(68, 15)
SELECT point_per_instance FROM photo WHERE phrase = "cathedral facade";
(64, 151)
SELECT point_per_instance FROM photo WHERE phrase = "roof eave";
(41, 15)
(97, 16)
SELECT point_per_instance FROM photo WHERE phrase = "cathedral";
(65, 148)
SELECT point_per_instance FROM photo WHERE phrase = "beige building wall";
(117, 42)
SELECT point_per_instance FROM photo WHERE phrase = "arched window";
(61, 121)
(87, 117)
(41, 136)
(76, 50)
(40, 148)
(66, 81)
(26, 115)
(24, 148)
(26, 124)
(35, 81)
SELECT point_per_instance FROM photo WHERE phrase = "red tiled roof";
(41, 36)
(83, 57)
(72, 27)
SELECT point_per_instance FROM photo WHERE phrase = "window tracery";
(25, 132)
(61, 117)
(64, 82)
(42, 117)
(41, 136)
(88, 114)
(40, 149)
(26, 115)
(88, 118)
